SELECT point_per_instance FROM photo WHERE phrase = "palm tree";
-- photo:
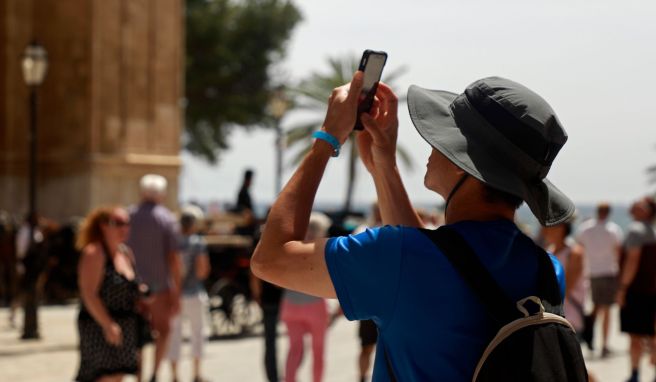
(311, 95)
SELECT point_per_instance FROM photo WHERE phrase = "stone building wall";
(109, 108)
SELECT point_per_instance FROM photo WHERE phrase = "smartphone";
(371, 64)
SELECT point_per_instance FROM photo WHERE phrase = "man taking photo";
(491, 149)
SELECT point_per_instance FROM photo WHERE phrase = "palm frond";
(314, 106)
(301, 133)
(312, 94)
(392, 76)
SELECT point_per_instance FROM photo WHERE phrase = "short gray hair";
(153, 185)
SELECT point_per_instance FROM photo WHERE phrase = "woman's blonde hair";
(90, 231)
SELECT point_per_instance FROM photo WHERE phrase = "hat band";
(520, 134)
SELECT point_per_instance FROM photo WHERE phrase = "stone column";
(109, 108)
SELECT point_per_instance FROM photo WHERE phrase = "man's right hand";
(343, 108)
(377, 143)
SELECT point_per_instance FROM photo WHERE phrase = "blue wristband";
(328, 138)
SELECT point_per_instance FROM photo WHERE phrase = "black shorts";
(638, 314)
(368, 333)
(604, 289)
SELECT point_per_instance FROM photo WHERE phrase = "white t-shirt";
(600, 239)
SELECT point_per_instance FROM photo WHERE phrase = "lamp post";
(278, 106)
(35, 65)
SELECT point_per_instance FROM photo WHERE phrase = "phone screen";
(372, 71)
(372, 64)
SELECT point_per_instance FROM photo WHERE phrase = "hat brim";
(432, 116)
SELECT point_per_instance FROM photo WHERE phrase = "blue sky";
(594, 62)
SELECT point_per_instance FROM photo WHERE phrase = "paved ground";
(54, 358)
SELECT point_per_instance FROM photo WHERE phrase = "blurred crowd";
(141, 271)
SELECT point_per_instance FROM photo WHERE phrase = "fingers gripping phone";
(371, 64)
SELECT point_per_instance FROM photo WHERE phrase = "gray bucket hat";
(501, 133)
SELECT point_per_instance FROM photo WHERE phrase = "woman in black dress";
(108, 319)
(637, 293)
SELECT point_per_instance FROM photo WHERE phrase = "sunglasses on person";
(118, 223)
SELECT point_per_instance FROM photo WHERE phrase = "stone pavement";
(54, 358)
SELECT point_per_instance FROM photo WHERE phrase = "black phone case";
(367, 102)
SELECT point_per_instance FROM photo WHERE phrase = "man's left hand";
(377, 144)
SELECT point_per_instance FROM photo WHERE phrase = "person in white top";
(601, 240)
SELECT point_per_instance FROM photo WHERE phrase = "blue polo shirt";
(430, 322)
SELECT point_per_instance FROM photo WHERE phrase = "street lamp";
(35, 65)
(278, 106)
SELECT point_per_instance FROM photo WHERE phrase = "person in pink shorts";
(304, 314)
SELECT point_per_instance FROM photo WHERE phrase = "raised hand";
(377, 143)
(343, 108)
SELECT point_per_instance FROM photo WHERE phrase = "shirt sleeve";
(619, 235)
(560, 274)
(365, 270)
(581, 233)
(635, 237)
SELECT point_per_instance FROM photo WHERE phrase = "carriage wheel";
(231, 313)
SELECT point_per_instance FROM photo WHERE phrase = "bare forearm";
(393, 199)
(176, 270)
(96, 308)
(630, 267)
(290, 214)
(573, 271)
(203, 267)
(282, 257)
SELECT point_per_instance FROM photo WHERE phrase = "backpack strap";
(548, 288)
(388, 363)
(454, 247)
(502, 309)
